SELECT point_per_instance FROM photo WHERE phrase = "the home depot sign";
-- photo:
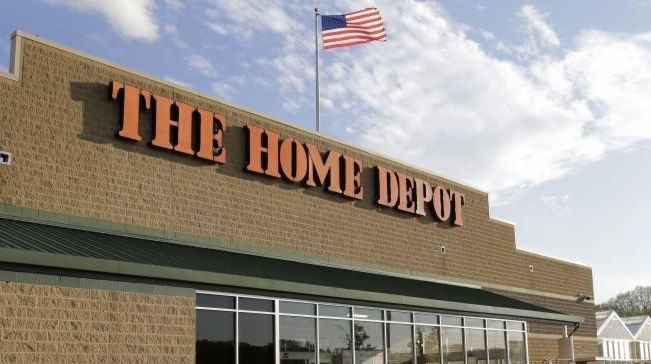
(190, 130)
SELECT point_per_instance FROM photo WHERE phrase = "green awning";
(37, 244)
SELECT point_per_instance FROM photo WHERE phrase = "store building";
(640, 328)
(623, 339)
(615, 339)
(144, 222)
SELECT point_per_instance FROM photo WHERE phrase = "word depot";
(194, 131)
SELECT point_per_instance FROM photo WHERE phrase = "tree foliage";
(632, 303)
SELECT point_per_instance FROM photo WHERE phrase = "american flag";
(353, 28)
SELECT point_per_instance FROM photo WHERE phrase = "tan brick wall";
(60, 126)
(47, 324)
(585, 349)
(587, 310)
(542, 348)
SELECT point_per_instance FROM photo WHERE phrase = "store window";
(517, 349)
(335, 342)
(475, 346)
(215, 337)
(400, 344)
(369, 342)
(256, 338)
(428, 348)
(496, 346)
(452, 345)
(297, 340)
(245, 329)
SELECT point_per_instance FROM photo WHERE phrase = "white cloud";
(174, 5)
(277, 21)
(181, 83)
(539, 34)
(170, 28)
(255, 15)
(433, 97)
(223, 89)
(219, 29)
(130, 18)
(534, 21)
(556, 203)
(202, 65)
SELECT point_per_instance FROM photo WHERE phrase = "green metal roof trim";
(33, 243)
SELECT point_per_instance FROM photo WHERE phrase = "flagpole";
(316, 48)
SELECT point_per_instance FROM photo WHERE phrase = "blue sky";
(543, 104)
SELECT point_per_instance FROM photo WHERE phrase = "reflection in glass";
(452, 345)
(495, 324)
(399, 344)
(496, 347)
(215, 337)
(517, 353)
(335, 342)
(334, 311)
(255, 304)
(399, 316)
(474, 322)
(368, 313)
(297, 340)
(451, 320)
(514, 325)
(428, 350)
(215, 301)
(475, 346)
(425, 318)
(256, 335)
(298, 308)
(369, 343)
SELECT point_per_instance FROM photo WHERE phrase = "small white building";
(640, 327)
(626, 339)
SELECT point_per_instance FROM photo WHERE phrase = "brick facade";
(60, 126)
(48, 324)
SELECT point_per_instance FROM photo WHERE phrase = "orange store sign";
(190, 130)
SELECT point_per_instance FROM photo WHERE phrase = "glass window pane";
(428, 350)
(517, 353)
(399, 316)
(512, 325)
(425, 318)
(451, 320)
(256, 335)
(495, 324)
(298, 308)
(367, 313)
(369, 342)
(297, 340)
(400, 345)
(334, 311)
(474, 322)
(255, 304)
(475, 346)
(496, 347)
(215, 337)
(452, 345)
(215, 301)
(335, 342)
